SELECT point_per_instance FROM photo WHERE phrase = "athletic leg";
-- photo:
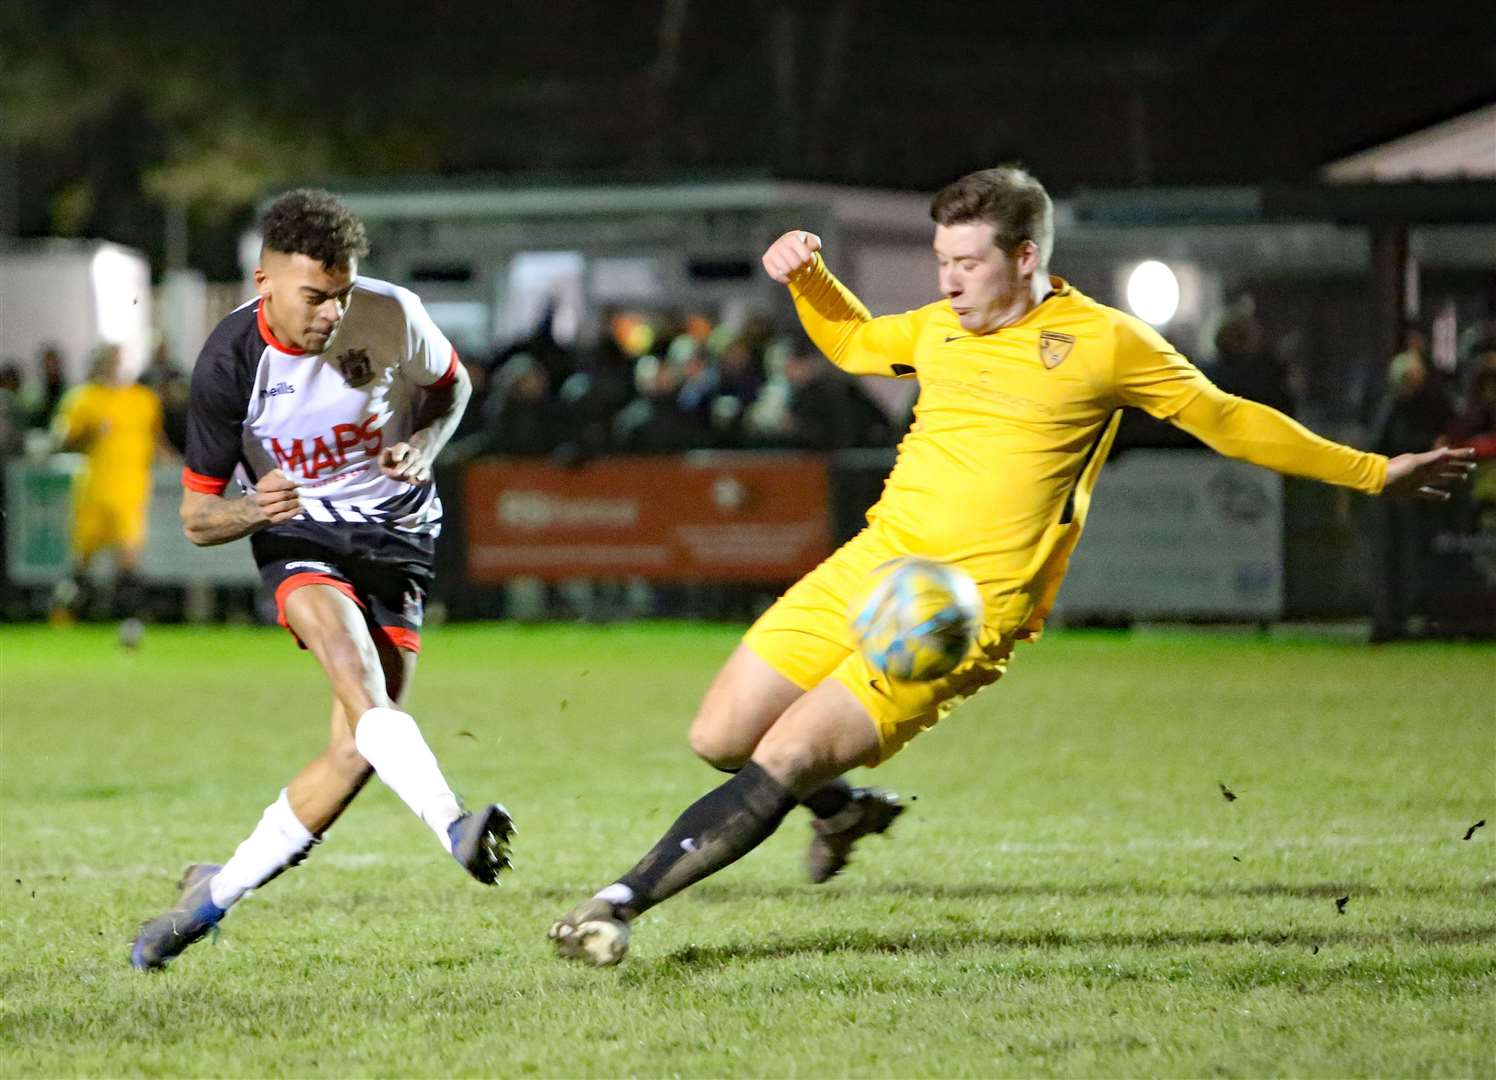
(796, 644)
(328, 783)
(333, 628)
(744, 700)
(320, 792)
(820, 736)
(285, 833)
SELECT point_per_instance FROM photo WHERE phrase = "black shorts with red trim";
(392, 593)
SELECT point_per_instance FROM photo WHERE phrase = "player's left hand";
(1433, 475)
(403, 461)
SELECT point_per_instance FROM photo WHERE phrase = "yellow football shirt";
(1012, 427)
(117, 427)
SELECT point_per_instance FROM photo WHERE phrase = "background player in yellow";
(1022, 379)
(116, 424)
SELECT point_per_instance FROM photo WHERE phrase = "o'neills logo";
(541, 510)
(1054, 347)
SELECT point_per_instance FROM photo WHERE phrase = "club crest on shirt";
(356, 367)
(1054, 347)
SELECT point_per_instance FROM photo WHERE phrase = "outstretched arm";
(1255, 433)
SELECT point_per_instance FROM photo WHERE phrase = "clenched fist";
(276, 497)
(405, 461)
(790, 254)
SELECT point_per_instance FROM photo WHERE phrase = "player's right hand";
(1431, 476)
(790, 254)
(276, 496)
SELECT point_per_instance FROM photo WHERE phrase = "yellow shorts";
(112, 522)
(807, 637)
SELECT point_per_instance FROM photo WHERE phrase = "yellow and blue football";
(919, 619)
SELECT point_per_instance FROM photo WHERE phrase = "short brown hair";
(1007, 198)
(312, 222)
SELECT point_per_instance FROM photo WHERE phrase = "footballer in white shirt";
(325, 402)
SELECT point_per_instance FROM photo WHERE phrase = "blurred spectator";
(12, 411)
(811, 405)
(1476, 342)
(655, 422)
(601, 385)
(1413, 417)
(1475, 513)
(1246, 365)
(740, 378)
(42, 402)
(700, 382)
(1475, 426)
(174, 388)
(555, 360)
(1416, 408)
(518, 415)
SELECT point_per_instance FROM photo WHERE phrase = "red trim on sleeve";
(268, 335)
(403, 638)
(296, 581)
(449, 378)
(208, 485)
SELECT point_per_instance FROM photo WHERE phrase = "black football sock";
(829, 799)
(826, 801)
(715, 831)
(128, 591)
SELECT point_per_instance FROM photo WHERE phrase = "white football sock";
(390, 741)
(279, 841)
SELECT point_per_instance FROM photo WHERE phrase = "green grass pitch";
(1071, 895)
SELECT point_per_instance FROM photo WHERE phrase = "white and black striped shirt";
(322, 419)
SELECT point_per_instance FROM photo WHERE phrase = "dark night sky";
(907, 94)
(903, 95)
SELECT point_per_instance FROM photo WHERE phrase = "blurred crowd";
(666, 384)
(655, 385)
(1426, 404)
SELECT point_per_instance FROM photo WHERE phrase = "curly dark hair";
(311, 222)
(1009, 199)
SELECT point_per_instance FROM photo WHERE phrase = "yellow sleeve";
(1263, 436)
(1149, 373)
(843, 329)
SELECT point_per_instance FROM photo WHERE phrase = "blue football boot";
(192, 917)
(480, 842)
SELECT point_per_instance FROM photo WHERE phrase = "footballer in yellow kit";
(118, 429)
(1021, 381)
(1011, 429)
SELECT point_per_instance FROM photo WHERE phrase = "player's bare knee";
(716, 743)
(357, 677)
